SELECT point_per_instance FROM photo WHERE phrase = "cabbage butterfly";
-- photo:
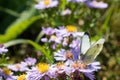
(90, 52)
(85, 43)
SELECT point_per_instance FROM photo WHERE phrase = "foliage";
(22, 21)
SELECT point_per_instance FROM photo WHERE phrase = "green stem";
(39, 37)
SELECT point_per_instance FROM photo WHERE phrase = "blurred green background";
(20, 20)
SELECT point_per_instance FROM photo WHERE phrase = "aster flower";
(42, 70)
(43, 4)
(95, 4)
(67, 34)
(6, 74)
(55, 39)
(18, 67)
(65, 56)
(30, 61)
(61, 68)
(61, 35)
(48, 31)
(54, 46)
(79, 0)
(76, 53)
(76, 1)
(75, 43)
(68, 31)
(44, 39)
(66, 12)
(87, 70)
(60, 31)
(77, 65)
(71, 54)
(2, 49)
(60, 55)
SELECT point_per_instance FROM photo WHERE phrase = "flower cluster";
(62, 36)
(63, 57)
(43, 4)
(69, 62)
(92, 3)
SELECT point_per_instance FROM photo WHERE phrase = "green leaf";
(39, 37)
(9, 11)
(19, 26)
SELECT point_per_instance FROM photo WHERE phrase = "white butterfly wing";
(93, 51)
(85, 43)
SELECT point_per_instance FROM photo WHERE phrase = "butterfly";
(90, 51)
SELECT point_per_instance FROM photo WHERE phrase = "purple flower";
(60, 68)
(76, 1)
(72, 54)
(55, 39)
(6, 74)
(60, 55)
(75, 43)
(40, 71)
(18, 67)
(61, 35)
(43, 4)
(30, 61)
(60, 31)
(48, 31)
(87, 70)
(68, 31)
(44, 39)
(63, 55)
(95, 4)
(2, 49)
(66, 12)
(75, 48)
(94, 66)
(89, 75)
(76, 53)
(54, 46)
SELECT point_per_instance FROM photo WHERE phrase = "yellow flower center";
(17, 66)
(71, 28)
(42, 67)
(6, 71)
(21, 77)
(53, 37)
(46, 2)
(59, 64)
(69, 55)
